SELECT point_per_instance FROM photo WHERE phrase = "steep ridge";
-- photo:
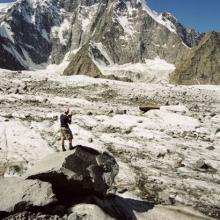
(189, 36)
(201, 64)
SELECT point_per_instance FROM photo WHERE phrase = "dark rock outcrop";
(82, 171)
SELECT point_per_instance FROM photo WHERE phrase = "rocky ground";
(168, 156)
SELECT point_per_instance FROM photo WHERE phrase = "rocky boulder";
(148, 106)
(18, 195)
(88, 212)
(81, 171)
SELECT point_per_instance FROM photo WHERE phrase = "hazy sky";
(202, 15)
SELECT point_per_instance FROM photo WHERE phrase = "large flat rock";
(19, 194)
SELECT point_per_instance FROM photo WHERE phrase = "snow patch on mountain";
(14, 52)
(60, 31)
(126, 25)
(5, 31)
(45, 35)
(129, 8)
(29, 62)
(85, 15)
(152, 70)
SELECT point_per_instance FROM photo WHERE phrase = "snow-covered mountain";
(4, 7)
(100, 37)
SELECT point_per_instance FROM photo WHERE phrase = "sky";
(4, 1)
(202, 15)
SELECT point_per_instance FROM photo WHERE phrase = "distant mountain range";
(104, 38)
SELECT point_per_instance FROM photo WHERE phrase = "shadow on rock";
(79, 172)
(123, 208)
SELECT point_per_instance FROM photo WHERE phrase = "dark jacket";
(65, 120)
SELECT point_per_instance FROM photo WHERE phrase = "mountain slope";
(201, 64)
(25, 33)
(35, 33)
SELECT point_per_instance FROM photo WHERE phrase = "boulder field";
(78, 184)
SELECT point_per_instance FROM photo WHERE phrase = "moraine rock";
(88, 212)
(81, 171)
(149, 106)
(18, 195)
(27, 215)
(181, 109)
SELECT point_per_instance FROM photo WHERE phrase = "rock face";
(82, 64)
(18, 195)
(201, 64)
(80, 172)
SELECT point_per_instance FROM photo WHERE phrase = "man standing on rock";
(66, 134)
